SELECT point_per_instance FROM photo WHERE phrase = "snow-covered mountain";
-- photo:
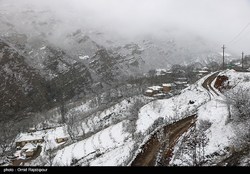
(140, 53)
(122, 136)
(75, 93)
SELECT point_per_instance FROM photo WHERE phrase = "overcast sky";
(223, 21)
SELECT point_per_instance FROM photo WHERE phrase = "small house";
(22, 143)
(205, 69)
(29, 149)
(29, 153)
(181, 83)
(166, 87)
(32, 129)
(149, 92)
(156, 89)
(62, 139)
(159, 96)
(32, 137)
(247, 60)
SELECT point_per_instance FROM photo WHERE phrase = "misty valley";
(82, 91)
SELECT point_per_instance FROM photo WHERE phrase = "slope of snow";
(116, 157)
(235, 78)
(173, 108)
(119, 111)
(101, 142)
(220, 133)
(115, 147)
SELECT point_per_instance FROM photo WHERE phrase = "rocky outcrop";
(21, 87)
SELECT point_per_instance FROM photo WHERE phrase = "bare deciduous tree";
(6, 139)
(72, 126)
(239, 99)
(192, 148)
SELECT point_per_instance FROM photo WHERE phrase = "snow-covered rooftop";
(30, 136)
(29, 146)
(169, 108)
(202, 71)
(149, 91)
(58, 132)
(155, 88)
(83, 57)
(166, 85)
(180, 83)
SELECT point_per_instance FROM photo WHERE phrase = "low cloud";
(219, 21)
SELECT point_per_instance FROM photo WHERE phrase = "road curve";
(171, 133)
(207, 84)
(149, 156)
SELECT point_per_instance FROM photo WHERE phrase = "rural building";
(202, 73)
(22, 143)
(59, 134)
(166, 87)
(29, 149)
(181, 83)
(62, 139)
(159, 95)
(149, 92)
(205, 69)
(161, 72)
(32, 129)
(156, 89)
(246, 61)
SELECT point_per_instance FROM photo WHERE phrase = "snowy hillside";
(221, 134)
(115, 138)
(103, 142)
(174, 108)
(124, 83)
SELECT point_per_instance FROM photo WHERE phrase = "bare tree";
(239, 99)
(133, 111)
(6, 139)
(192, 148)
(50, 156)
(72, 126)
(152, 73)
(62, 107)
(163, 138)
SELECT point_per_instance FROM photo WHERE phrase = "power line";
(242, 59)
(238, 35)
(240, 38)
(223, 57)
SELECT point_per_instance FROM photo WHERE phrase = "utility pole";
(223, 56)
(242, 59)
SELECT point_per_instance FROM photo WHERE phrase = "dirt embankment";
(222, 83)
(162, 141)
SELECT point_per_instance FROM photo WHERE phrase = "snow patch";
(99, 143)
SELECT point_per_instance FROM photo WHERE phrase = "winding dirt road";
(158, 149)
(171, 133)
(207, 84)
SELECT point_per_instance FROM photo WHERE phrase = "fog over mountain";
(215, 21)
(124, 82)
